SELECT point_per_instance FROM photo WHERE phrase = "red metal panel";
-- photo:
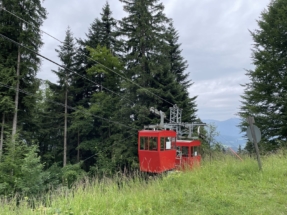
(156, 162)
(167, 160)
(157, 133)
(188, 143)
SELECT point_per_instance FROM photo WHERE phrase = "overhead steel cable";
(127, 79)
(63, 105)
(1, 7)
(48, 59)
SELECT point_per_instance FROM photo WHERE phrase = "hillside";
(225, 186)
(229, 132)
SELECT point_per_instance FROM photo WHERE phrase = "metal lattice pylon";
(182, 128)
(175, 114)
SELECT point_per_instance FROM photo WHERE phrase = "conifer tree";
(178, 67)
(62, 90)
(265, 96)
(21, 171)
(152, 61)
(6, 102)
(97, 97)
(102, 32)
(146, 64)
(108, 32)
(177, 63)
(106, 104)
(144, 28)
(49, 120)
(24, 63)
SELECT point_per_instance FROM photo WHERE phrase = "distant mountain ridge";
(229, 133)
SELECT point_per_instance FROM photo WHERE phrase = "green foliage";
(107, 62)
(30, 36)
(103, 32)
(265, 96)
(223, 186)
(61, 92)
(209, 145)
(108, 31)
(33, 179)
(150, 56)
(21, 171)
(178, 67)
(71, 174)
(10, 167)
(103, 55)
(7, 78)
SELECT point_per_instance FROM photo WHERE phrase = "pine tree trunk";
(2, 135)
(78, 151)
(15, 118)
(65, 130)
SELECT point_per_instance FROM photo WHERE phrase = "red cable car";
(159, 151)
(156, 150)
(187, 155)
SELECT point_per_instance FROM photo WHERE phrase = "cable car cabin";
(187, 153)
(156, 150)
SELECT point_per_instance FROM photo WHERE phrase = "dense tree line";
(265, 95)
(87, 122)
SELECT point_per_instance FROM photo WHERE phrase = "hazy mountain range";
(229, 132)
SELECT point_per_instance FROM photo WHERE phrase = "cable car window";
(143, 143)
(173, 142)
(168, 143)
(153, 143)
(162, 144)
(184, 151)
(178, 151)
(195, 151)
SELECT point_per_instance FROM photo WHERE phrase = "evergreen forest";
(86, 123)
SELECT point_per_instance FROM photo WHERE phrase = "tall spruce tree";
(6, 103)
(108, 31)
(24, 63)
(106, 105)
(178, 67)
(102, 32)
(94, 97)
(177, 63)
(62, 90)
(265, 96)
(144, 28)
(149, 64)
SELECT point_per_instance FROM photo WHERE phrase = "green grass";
(223, 186)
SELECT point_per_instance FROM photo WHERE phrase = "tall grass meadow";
(222, 185)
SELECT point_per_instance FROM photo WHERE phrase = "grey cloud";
(219, 98)
(214, 34)
(214, 37)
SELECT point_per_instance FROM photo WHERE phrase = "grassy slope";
(226, 186)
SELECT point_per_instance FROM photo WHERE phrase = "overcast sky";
(214, 36)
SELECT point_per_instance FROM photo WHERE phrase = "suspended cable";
(63, 105)
(94, 60)
(48, 59)
(30, 24)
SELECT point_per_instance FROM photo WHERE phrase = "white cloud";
(214, 36)
(219, 99)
